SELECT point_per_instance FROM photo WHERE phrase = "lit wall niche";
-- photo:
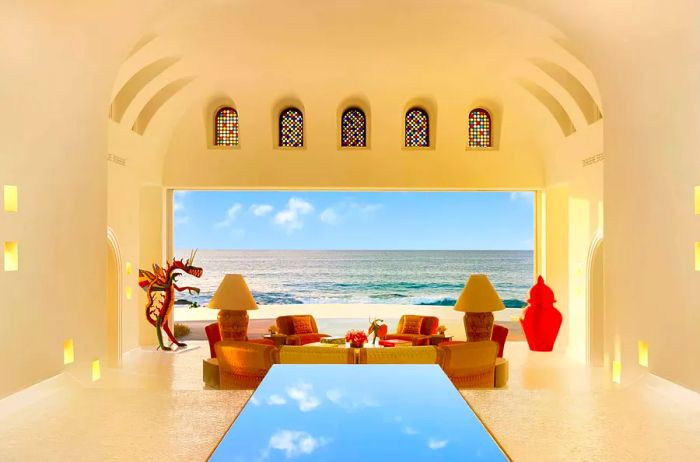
(10, 198)
(128, 267)
(643, 348)
(128, 293)
(616, 371)
(68, 352)
(697, 256)
(11, 256)
(96, 372)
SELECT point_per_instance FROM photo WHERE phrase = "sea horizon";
(412, 277)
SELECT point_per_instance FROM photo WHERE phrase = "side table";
(277, 339)
(438, 339)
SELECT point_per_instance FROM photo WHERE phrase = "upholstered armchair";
(469, 364)
(299, 329)
(214, 335)
(415, 328)
(243, 365)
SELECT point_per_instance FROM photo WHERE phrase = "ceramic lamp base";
(478, 326)
(233, 325)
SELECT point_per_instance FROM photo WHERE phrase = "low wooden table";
(277, 339)
(438, 339)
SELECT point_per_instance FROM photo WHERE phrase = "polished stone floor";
(155, 409)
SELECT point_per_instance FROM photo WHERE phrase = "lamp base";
(478, 326)
(233, 325)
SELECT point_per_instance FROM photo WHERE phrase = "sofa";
(416, 329)
(299, 329)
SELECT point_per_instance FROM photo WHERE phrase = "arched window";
(353, 130)
(479, 129)
(226, 127)
(292, 128)
(417, 128)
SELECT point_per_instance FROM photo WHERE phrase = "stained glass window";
(417, 128)
(479, 129)
(226, 127)
(292, 128)
(353, 128)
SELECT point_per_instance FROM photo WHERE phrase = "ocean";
(422, 277)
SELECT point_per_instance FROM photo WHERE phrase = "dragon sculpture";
(160, 286)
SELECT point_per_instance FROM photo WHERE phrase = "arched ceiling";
(471, 51)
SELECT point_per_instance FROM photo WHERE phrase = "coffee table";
(341, 412)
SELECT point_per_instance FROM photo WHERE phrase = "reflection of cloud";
(525, 196)
(290, 218)
(255, 401)
(276, 400)
(260, 210)
(294, 443)
(436, 444)
(179, 208)
(329, 216)
(230, 216)
(302, 395)
(349, 402)
(410, 430)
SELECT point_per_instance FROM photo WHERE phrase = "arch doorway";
(113, 301)
(596, 305)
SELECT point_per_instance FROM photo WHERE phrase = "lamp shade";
(479, 296)
(233, 294)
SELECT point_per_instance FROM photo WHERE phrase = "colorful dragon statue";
(160, 286)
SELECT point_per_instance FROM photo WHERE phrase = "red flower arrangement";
(356, 338)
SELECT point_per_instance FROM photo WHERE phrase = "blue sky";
(353, 220)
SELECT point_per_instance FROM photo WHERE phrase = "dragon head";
(187, 266)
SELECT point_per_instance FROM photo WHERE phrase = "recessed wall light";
(10, 198)
(11, 256)
(643, 348)
(96, 372)
(128, 293)
(128, 267)
(68, 352)
(616, 371)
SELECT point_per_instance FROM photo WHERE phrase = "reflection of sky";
(344, 412)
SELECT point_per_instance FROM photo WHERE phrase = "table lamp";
(478, 300)
(233, 299)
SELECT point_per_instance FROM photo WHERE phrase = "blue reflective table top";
(342, 413)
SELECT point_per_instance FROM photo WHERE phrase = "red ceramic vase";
(541, 320)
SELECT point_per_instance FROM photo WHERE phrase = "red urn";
(541, 320)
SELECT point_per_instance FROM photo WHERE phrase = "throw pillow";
(302, 325)
(411, 324)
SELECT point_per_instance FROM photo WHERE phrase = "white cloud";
(410, 430)
(302, 395)
(368, 209)
(525, 196)
(436, 444)
(260, 210)
(290, 217)
(295, 443)
(276, 400)
(179, 208)
(230, 216)
(329, 216)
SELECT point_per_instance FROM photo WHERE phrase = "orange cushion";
(411, 324)
(302, 325)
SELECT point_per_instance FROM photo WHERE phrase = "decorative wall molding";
(116, 159)
(593, 159)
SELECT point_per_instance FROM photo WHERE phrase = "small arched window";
(291, 128)
(353, 130)
(479, 128)
(417, 128)
(226, 127)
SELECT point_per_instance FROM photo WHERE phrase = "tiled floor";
(154, 409)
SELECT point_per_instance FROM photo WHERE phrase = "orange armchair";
(299, 329)
(469, 364)
(243, 365)
(417, 329)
